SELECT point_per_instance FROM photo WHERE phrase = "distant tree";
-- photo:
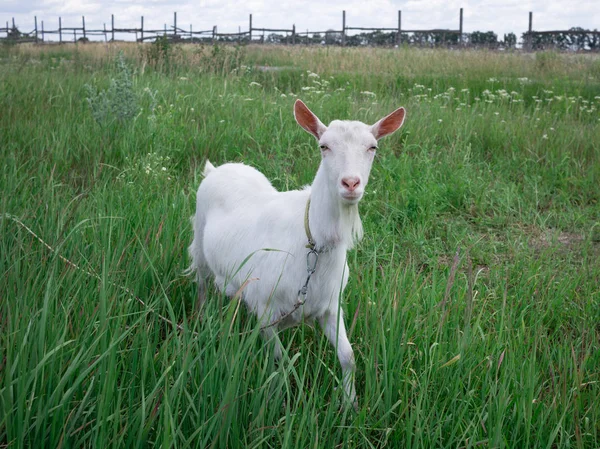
(593, 41)
(510, 40)
(480, 38)
(432, 39)
(333, 37)
(274, 38)
(577, 40)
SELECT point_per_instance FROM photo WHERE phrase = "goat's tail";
(208, 167)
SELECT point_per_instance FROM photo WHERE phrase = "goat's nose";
(350, 183)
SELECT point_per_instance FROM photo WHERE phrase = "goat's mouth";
(351, 197)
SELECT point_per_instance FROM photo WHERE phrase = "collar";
(312, 245)
(311, 241)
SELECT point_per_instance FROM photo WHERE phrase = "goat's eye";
(324, 147)
(373, 148)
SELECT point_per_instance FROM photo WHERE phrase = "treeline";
(575, 39)
(436, 38)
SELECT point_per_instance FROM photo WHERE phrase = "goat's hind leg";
(199, 265)
(201, 281)
(203, 274)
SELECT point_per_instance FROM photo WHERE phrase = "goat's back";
(232, 185)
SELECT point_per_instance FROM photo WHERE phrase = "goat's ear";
(307, 120)
(388, 124)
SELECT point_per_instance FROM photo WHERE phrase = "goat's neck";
(333, 224)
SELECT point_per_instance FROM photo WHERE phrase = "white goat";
(239, 214)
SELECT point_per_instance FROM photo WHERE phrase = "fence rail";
(532, 40)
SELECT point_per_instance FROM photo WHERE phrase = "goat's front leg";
(335, 330)
(269, 334)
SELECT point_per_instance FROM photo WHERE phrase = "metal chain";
(311, 266)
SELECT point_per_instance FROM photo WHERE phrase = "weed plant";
(118, 102)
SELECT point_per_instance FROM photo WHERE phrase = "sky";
(230, 16)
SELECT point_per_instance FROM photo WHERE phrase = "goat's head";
(347, 148)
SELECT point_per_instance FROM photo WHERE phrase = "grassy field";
(474, 299)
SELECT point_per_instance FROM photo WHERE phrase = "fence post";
(36, 33)
(191, 35)
(214, 33)
(530, 21)
(60, 30)
(42, 31)
(294, 34)
(398, 39)
(529, 35)
(83, 23)
(460, 27)
(112, 21)
(175, 23)
(142, 30)
(105, 35)
(343, 28)
(250, 28)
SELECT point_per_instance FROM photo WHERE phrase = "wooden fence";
(396, 35)
(253, 34)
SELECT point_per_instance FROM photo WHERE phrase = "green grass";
(497, 347)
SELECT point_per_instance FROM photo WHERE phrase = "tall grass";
(473, 303)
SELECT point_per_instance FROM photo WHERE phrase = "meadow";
(473, 304)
